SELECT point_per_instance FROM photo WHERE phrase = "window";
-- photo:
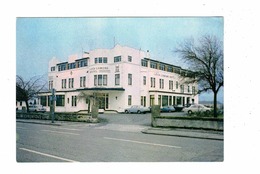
(117, 59)
(100, 80)
(143, 101)
(83, 81)
(129, 100)
(60, 100)
(193, 90)
(74, 100)
(182, 88)
(96, 60)
(165, 100)
(177, 84)
(152, 82)
(104, 80)
(160, 100)
(153, 65)
(129, 79)
(71, 82)
(188, 89)
(162, 67)
(144, 63)
(53, 68)
(63, 83)
(117, 79)
(161, 83)
(129, 58)
(62, 67)
(170, 85)
(95, 80)
(144, 80)
(100, 60)
(50, 84)
(71, 65)
(43, 100)
(104, 59)
(82, 63)
(170, 69)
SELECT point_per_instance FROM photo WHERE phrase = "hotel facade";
(122, 76)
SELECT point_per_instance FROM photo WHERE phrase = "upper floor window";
(193, 90)
(83, 81)
(161, 83)
(144, 80)
(129, 58)
(129, 79)
(117, 59)
(63, 83)
(100, 80)
(82, 63)
(53, 68)
(170, 69)
(50, 84)
(152, 82)
(117, 79)
(182, 88)
(62, 67)
(170, 85)
(100, 60)
(71, 65)
(153, 65)
(162, 67)
(71, 82)
(144, 63)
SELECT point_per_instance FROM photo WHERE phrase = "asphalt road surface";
(117, 138)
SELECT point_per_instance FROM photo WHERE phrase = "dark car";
(178, 108)
(167, 109)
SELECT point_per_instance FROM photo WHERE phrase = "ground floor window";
(129, 100)
(143, 101)
(151, 100)
(60, 100)
(43, 100)
(103, 101)
(165, 101)
(74, 100)
(160, 100)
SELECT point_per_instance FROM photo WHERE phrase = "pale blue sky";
(40, 39)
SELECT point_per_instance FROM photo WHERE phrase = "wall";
(184, 122)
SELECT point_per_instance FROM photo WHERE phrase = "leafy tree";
(205, 58)
(93, 101)
(27, 89)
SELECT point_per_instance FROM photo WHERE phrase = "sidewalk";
(190, 133)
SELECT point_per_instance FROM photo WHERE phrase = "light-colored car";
(37, 108)
(196, 108)
(137, 109)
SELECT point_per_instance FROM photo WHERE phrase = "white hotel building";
(124, 76)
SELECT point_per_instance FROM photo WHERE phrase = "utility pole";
(53, 99)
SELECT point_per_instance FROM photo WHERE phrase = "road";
(117, 139)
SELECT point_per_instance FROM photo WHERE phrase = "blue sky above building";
(40, 39)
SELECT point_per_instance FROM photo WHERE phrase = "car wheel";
(138, 112)
(189, 112)
(126, 111)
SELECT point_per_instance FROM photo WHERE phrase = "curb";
(198, 135)
(37, 122)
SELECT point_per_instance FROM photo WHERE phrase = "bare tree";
(205, 58)
(27, 89)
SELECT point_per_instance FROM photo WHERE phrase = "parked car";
(167, 109)
(178, 108)
(137, 109)
(196, 108)
(37, 108)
